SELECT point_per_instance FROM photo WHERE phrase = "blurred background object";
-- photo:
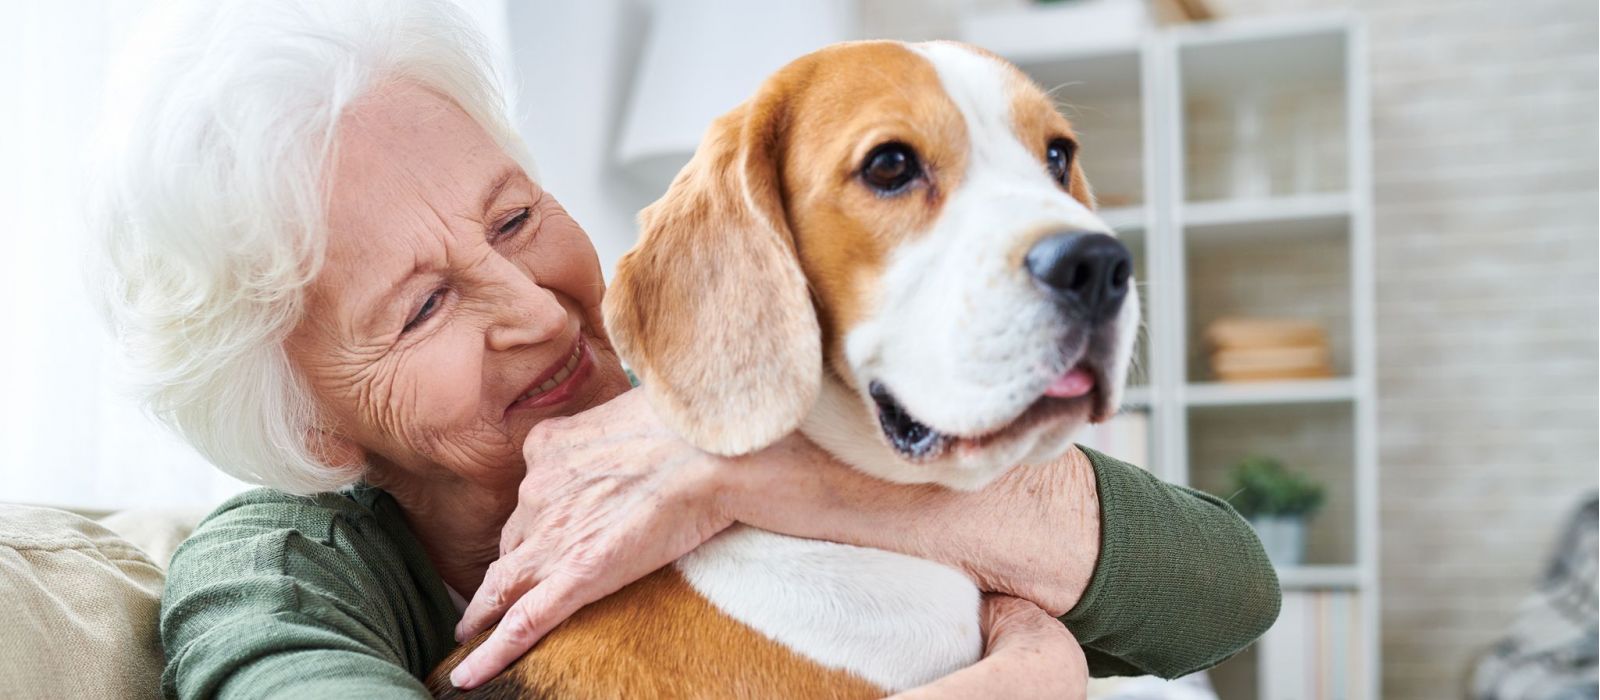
(1277, 502)
(1401, 194)
(1550, 649)
(684, 81)
(1254, 349)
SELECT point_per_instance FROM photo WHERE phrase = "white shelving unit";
(1141, 112)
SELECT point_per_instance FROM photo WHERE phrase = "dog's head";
(891, 247)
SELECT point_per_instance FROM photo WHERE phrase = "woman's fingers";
(528, 621)
(503, 584)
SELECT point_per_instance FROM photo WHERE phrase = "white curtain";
(69, 433)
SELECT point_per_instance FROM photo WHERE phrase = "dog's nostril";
(1087, 272)
(1120, 275)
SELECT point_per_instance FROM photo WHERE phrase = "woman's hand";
(1027, 654)
(610, 496)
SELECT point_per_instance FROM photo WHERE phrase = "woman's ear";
(711, 308)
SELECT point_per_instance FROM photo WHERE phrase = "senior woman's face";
(458, 304)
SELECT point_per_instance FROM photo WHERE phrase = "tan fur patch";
(858, 97)
(656, 638)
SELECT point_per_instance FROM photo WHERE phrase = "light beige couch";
(81, 600)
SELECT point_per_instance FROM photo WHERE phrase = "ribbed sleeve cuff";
(1181, 582)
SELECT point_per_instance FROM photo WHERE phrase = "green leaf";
(1263, 486)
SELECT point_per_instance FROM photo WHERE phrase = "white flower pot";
(1283, 536)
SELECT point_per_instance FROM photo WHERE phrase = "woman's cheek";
(441, 385)
(455, 369)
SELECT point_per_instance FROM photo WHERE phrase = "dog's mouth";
(1082, 386)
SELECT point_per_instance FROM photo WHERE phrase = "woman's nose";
(526, 314)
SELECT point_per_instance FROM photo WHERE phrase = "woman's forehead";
(406, 145)
(412, 174)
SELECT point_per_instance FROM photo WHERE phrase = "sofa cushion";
(155, 531)
(80, 612)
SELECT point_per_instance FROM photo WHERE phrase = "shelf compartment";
(1290, 217)
(1126, 436)
(1264, 115)
(1319, 577)
(1269, 392)
(1316, 439)
(1123, 219)
(1301, 276)
(1136, 398)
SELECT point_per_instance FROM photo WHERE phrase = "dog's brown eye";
(1058, 156)
(890, 168)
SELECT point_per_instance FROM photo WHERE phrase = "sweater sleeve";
(280, 596)
(1181, 584)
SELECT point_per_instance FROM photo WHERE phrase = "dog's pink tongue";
(1074, 383)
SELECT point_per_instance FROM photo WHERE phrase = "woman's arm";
(280, 596)
(1034, 533)
(1026, 655)
(1152, 578)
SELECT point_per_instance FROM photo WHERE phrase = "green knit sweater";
(332, 597)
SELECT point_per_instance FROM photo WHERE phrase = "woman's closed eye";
(510, 225)
(424, 311)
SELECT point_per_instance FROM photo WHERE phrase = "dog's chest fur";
(896, 621)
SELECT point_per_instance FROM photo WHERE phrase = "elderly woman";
(329, 254)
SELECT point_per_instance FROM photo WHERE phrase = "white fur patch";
(896, 621)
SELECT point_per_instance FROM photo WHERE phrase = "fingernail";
(460, 677)
(458, 634)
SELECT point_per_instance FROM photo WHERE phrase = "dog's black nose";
(1084, 270)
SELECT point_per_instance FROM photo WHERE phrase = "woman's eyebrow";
(500, 183)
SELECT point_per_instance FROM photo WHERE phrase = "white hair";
(211, 201)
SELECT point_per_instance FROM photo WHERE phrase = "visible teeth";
(556, 379)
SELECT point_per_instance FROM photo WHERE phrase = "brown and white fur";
(771, 291)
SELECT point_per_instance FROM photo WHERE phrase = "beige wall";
(1485, 173)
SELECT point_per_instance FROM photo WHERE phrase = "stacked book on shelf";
(1314, 651)
(1256, 349)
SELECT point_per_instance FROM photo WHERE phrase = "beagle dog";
(891, 249)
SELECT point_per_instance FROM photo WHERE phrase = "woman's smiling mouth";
(558, 383)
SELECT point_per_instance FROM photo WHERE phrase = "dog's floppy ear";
(711, 308)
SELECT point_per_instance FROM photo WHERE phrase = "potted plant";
(1277, 502)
